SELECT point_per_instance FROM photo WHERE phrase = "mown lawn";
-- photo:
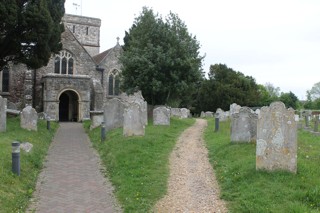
(138, 166)
(247, 190)
(15, 191)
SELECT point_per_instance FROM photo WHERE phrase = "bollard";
(216, 125)
(316, 123)
(16, 157)
(103, 132)
(48, 125)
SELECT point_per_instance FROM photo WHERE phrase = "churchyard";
(271, 168)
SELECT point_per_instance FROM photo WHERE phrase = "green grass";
(138, 167)
(15, 191)
(248, 190)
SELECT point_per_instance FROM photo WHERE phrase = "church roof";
(98, 58)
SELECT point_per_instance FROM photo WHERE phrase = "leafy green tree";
(273, 91)
(30, 31)
(161, 59)
(289, 99)
(226, 86)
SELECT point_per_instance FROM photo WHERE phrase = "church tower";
(86, 30)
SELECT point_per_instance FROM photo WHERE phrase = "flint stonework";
(3, 114)
(244, 126)
(29, 118)
(133, 123)
(161, 116)
(276, 139)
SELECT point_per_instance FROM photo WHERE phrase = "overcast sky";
(274, 41)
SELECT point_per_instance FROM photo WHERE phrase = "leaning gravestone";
(3, 114)
(244, 125)
(161, 116)
(29, 118)
(133, 122)
(113, 113)
(276, 139)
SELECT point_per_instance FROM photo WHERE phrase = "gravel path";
(192, 185)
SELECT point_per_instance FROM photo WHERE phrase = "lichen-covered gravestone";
(161, 116)
(175, 112)
(185, 113)
(3, 114)
(29, 118)
(244, 125)
(276, 139)
(133, 122)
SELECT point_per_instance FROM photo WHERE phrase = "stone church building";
(75, 83)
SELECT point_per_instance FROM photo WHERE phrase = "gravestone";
(209, 114)
(113, 113)
(29, 118)
(138, 99)
(276, 139)
(133, 122)
(185, 113)
(234, 108)
(244, 126)
(175, 112)
(202, 115)
(3, 114)
(221, 115)
(161, 116)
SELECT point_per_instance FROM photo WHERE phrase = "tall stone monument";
(276, 139)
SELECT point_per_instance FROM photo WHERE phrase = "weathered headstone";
(244, 126)
(175, 112)
(221, 115)
(29, 118)
(113, 113)
(97, 118)
(138, 99)
(209, 114)
(161, 116)
(185, 113)
(133, 123)
(3, 114)
(234, 108)
(202, 115)
(316, 123)
(276, 139)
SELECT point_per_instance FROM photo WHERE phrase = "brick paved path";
(71, 180)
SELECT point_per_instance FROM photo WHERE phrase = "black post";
(103, 132)
(16, 157)
(216, 124)
(48, 125)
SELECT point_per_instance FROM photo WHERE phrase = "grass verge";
(138, 167)
(15, 191)
(248, 190)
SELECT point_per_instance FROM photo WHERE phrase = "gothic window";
(63, 63)
(4, 80)
(114, 83)
(87, 30)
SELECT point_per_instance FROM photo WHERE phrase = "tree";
(161, 59)
(289, 99)
(30, 31)
(273, 91)
(226, 86)
(315, 91)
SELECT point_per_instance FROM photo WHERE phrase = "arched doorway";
(68, 106)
